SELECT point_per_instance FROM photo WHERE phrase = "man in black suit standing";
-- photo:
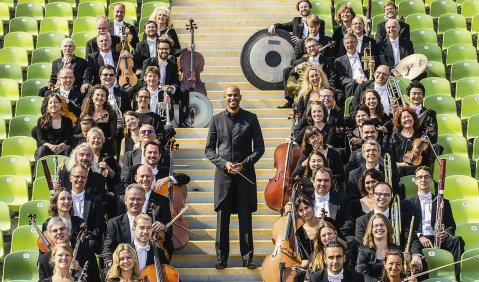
(426, 211)
(59, 232)
(234, 144)
(392, 49)
(334, 258)
(391, 12)
(118, 27)
(102, 25)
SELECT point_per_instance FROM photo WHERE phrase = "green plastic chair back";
(466, 87)
(50, 39)
(40, 190)
(3, 130)
(472, 127)
(22, 125)
(456, 36)
(6, 113)
(13, 187)
(469, 106)
(148, 8)
(469, 9)
(442, 7)
(460, 52)
(441, 104)
(450, 21)
(31, 87)
(431, 51)
(9, 3)
(14, 55)
(25, 24)
(347, 105)
(41, 2)
(406, 8)
(134, 2)
(19, 39)
(20, 146)
(475, 150)
(436, 86)
(130, 11)
(81, 38)
(59, 9)
(31, 10)
(55, 24)
(5, 223)
(377, 7)
(24, 238)
(91, 9)
(39, 71)
(320, 7)
(103, 2)
(28, 270)
(11, 71)
(453, 144)
(410, 187)
(4, 12)
(37, 207)
(469, 233)
(465, 211)
(357, 6)
(9, 89)
(469, 267)
(2, 252)
(29, 106)
(475, 25)
(439, 257)
(46, 55)
(464, 69)
(168, 1)
(423, 36)
(84, 24)
(72, 3)
(62, 162)
(80, 52)
(461, 187)
(456, 164)
(419, 21)
(376, 21)
(141, 26)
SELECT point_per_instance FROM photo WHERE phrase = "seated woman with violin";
(53, 131)
(61, 259)
(125, 265)
(372, 100)
(394, 267)
(316, 116)
(313, 79)
(368, 179)
(131, 134)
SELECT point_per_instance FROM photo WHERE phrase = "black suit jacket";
(78, 65)
(352, 187)
(142, 53)
(296, 26)
(404, 33)
(75, 100)
(348, 276)
(92, 46)
(134, 33)
(171, 76)
(386, 56)
(326, 64)
(94, 216)
(366, 41)
(358, 94)
(427, 118)
(345, 72)
(300, 49)
(95, 183)
(95, 62)
(154, 120)
(85, 253)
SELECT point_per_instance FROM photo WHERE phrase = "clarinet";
(83, 275)
(439, 227)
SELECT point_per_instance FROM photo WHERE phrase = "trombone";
(396, 203)
(396, 100)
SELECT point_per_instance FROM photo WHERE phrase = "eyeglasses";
(386, 195)
(425, 177)
(146, 131)
(78, 177)
(108, 74)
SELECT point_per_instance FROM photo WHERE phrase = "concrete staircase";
(223, 27)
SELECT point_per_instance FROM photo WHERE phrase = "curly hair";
(115, 270)
(309, 112)
(379, 111)
(46, 118)
(306, 86)
(368, 240)
(88, 108)
(397, 118)
(374, 174)
(341, 9)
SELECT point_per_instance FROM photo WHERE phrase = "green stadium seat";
(40, 190)
(9, 3)
(81, 52)
(453, 144)
(59, 9)
(376, 21)
(442, 7)
(55, 24)
(436, 86)
(469, 233)
(456, 164)
(431, 51)
(2, 251)
(148, 8)
(465, 211)
(37, 207)
(456, 36)
(5, 223)
(130, 11)
(420, 21)
(438, 257)
(469, 271)
(450, 21)
(467, 86)
(168, 1)
(2, 33)
(50, 39)
(24, 238)
(41, 2)
(6, 113)
(103, 2)
(31, 87)
(441, 104)
(19, 39)
(410, 187)
(28, 270)
(423, 36)
(4, 12)
(3, 130)
(469, 9)
(377, 7)
(62, 163)
(81, 38)
(20, 146)
(39, 71)
(91, 9)
(475, 25)
(9, 89)
(475, 150)
(357, 6)
(347, 105)
(72, 3)
(464, 69)
(318, 7)
(14, 189)
(14, 55)
(25, 24)
(29, 106)
(134, 2)
(472, 130)
(461, 187)
(141, 26)
(22, 125)
(406, 8)
(11, 71)
(469, 106)
(84, 24)
(46, 55)
(460, 52)
(31, 10)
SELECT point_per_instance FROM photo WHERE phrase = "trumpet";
(366, 59)
(163, 110)
(396, 99)
(116, 108)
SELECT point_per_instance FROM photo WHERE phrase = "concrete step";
(210, 234)
(208, 261)
(206, 195)
(211, 274)
(213, 3)
(219, 70)
(249, 94)
(221, 85)
(220, 53)
(260, 23)
(208, 174)
(208, 247)
(209, 221)
(202, 132)
(221, 30)
(221, 9)
(212, 45)
(200, 153)
(203, 36)
(208, 185)
(205, 163)
(200, 16)
(249, 103)
(221, 61)
(232, 78)
(208, 209)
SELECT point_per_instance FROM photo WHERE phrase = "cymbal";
(412, 66)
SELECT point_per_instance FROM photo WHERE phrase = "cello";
(177, 195)
(191, 64)
(286, 156)
(125, 63)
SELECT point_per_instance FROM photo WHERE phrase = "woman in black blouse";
(369, 178)
(316, 116)
(161, 17)
(131, 134)
(54, 131)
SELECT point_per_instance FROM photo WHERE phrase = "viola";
(286, 156)
(414, 156)
(191, 64)
(66, 112)
(127, 76)
(43, 243)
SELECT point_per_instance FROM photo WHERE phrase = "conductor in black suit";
(334, 259)
(235, 143)
(392, 49)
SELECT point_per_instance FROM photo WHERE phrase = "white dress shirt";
(356, 67)
(321, 202)
(396, 53)
(131, 218)
(153, 99)
(426, 211)
(383, 93)
(305, 29)
(385, 213)
(335, 278)
(152, 47)
(314, 60)
(142, 252)
(107, 58)
(360, 42)
(64, 93)
(145, 205)
(162, 67)
(117, 28)
(78, 203)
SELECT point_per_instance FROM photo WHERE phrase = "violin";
(286, 156)
(191, 64)
(43, 243)
(159, 272)
(177, 195)
(415, 155)
(127, 76)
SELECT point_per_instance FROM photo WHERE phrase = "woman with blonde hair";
(161, 17)
(125, 265)
(313, 79)
(61, 260)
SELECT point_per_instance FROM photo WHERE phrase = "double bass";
(177, 195)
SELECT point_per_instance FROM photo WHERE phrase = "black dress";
(306, 245)
(54, 136)
(369, 265)
(400, 145)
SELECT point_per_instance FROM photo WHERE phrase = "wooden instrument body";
(169, 273)
(127, 76)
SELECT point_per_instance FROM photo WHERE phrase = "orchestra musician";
(364, 41)
(390, 12)
(392, 49)
(383, 123)
(313, 80)
(360, 116)
(142, 98)
(131, 135)
(234, 159)
(393, 267)
(124, 265)
(147, 48)
(379, 84)
(368, 179)
(61, 258)
(344, 18)
(85, 125)
(335, 114)
(314, 26)
(427, 117)
(161, 17)
(317, 116)
(102, 26)
(118, 27)
(147, 134)
(426, 210)
(157, 93)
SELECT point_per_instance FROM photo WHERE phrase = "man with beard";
(391, 12)
(146, 49)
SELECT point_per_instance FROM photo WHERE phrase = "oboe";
(439, 227)
(83, 275)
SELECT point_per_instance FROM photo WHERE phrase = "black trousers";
(234, 202)
(455, 245)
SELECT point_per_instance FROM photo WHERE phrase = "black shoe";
(221, 264)
(288, 105)
(184, 125)
(249, 264)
